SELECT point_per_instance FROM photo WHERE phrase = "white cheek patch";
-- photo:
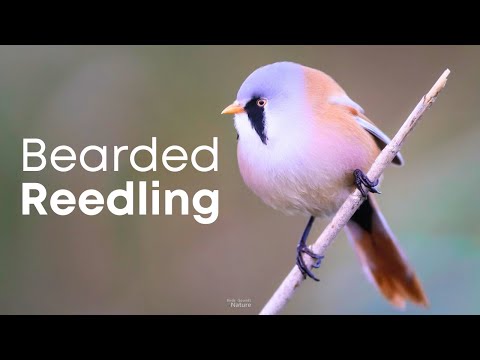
(245, 130)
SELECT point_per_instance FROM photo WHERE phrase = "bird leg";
(302, 248)
(362, 180)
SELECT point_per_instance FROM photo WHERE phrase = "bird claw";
(318, 262)
(303, 249)
(361, 181)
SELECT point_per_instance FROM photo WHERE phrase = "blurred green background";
(124, 95)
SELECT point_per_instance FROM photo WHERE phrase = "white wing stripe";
(372, 129)
(345, 101)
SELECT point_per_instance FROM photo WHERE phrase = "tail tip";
(400, 302)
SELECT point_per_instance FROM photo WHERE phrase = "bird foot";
(304, 249)
(361, 181)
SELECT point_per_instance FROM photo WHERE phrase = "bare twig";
(286, 290)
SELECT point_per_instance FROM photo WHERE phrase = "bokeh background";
(124, 95)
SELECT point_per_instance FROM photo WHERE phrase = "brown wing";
(380, 137)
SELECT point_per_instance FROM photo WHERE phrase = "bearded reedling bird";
(303, 147)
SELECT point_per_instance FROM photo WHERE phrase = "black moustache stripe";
(256, 115)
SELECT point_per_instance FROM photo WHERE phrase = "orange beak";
(235, 108)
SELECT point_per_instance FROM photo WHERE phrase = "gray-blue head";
(268, 99)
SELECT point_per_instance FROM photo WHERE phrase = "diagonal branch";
(286, 290)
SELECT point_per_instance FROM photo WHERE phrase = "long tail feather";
(381, 258)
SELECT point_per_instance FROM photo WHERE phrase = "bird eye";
(261, 102)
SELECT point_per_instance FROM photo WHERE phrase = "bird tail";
(381, 258)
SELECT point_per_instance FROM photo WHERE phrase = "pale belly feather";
(298, 183)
